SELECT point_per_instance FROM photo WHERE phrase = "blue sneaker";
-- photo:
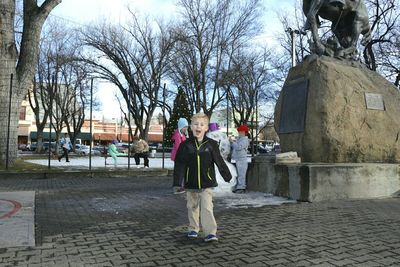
(210, 238)
(192, 234)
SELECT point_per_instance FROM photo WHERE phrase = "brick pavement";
(136, 221)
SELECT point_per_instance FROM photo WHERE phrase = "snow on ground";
(222, 193)
(250, 199)
(97, 162)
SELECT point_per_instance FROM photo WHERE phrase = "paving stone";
(129, 221)
(325, 264)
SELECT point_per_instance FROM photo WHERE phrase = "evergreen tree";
(180, 110)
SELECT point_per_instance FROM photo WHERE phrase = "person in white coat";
(239, 155)
(66, 146)
(216, 134)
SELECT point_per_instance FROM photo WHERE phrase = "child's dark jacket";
(194, 163)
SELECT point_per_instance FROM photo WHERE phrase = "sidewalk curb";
(103, 173)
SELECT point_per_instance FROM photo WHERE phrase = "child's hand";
(178, 190)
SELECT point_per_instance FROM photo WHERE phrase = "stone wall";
(351, 114)
(320, 182)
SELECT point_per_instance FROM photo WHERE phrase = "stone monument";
(333, 109)
(341, 118)
(337, 111)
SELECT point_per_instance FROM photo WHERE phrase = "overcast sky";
(86, 11)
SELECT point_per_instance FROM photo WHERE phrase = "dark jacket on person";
(194, 163)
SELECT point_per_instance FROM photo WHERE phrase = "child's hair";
(199, 116)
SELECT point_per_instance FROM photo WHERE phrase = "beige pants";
(200, 206)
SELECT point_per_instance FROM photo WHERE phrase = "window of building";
(22, 113)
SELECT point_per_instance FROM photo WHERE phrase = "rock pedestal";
(333, 111)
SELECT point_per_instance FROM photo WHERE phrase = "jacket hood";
(182, 123)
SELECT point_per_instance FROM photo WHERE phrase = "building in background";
(26, 123)
(103, 130)
(225, 120)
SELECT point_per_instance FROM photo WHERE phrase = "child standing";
(194, 163)
(179, 135)
(239, 155)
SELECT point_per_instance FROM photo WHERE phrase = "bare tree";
(391, 63)
(39, 100)
(209, 34)
(246, 83)
(76, 83)
(54, 43)
(293, 22)
(21, 63)
(61, 89)
(134, 58)
(382, 52)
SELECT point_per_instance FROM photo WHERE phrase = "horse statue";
(349, 19)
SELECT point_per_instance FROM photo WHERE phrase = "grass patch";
(21, 165)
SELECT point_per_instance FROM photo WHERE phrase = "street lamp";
(164, 125)
(9, 122)
(91, 124)
(293, 34)
(129, 125)
(52, 93)
(257, 120)
(227, 113)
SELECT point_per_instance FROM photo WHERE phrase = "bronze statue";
(349, 19)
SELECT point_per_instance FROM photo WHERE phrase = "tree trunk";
(39, 140)
(7, 66)
(397, 81)
(21, 65)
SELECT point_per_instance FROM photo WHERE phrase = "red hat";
(243, 128)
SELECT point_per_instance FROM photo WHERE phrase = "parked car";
(165, 149)
(100, 150)
(23, 147)
(32, 147)
(277, 148)
(122, 147)
(52, 146)
(269, 147)
(155, 146)
(85, 150)
(81, 149)
(262, 149)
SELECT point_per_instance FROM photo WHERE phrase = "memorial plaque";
(374, 101)
(294, 106)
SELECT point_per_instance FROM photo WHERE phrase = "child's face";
(241, 134)
(184, 130)
(199, 128)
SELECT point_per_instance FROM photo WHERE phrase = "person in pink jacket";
(178, 137)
